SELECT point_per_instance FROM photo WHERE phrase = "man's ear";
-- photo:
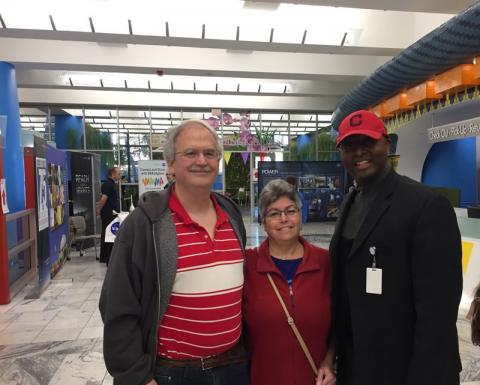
(171, 167)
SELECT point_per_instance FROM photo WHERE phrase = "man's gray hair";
(274, 190)
(173, 132)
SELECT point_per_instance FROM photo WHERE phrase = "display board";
(43, 203)
(321, 185)
(59, 226)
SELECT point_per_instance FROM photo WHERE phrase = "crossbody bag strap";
(295, 330)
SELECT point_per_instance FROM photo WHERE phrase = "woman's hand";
(325, 374)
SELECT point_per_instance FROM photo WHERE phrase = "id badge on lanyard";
(374, 275)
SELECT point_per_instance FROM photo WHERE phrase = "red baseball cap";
(361, 122)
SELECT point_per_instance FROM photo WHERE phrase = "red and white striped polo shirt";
(204, 316)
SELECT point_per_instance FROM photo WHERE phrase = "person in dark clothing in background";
(105, 206)
(170, 179)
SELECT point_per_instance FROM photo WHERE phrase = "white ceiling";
(227, 54)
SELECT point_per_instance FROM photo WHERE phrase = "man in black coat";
(396, 256)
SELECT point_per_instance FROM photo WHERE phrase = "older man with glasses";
(171, 300)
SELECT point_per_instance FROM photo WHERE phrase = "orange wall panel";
(425, 91)
(379, 110)
(476, 72)
(397, 103)
(457, 78)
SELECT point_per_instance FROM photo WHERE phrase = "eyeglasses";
(191, 153)
(351, 144)
(289, 212)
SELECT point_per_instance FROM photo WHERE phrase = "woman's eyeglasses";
(289, 212)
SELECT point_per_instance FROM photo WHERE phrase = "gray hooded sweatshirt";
(139, 282)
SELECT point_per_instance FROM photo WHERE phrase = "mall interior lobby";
(90, 86)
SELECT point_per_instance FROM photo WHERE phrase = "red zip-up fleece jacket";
(275, 353)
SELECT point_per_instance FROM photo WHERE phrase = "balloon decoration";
(227, 119)
(214, 122)
(246, 138)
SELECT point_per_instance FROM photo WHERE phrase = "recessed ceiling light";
(261, 5)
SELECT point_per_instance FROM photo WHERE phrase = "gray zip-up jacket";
(138, 285)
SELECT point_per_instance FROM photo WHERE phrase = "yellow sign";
(467, 248)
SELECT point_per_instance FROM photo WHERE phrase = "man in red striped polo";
(171, 299)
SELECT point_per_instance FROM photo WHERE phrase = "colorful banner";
(42, 193)
(151, 175)
(244, 156)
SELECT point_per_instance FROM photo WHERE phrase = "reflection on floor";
(57, 339)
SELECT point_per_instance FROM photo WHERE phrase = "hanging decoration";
(226, 156)
(244, 155)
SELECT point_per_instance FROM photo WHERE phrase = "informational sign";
(458, 130)
(42, 193)
(3, 196)
(320, 185)
(151, 175)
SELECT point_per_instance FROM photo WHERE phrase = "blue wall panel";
(68, 132)
(452, 164)
(13, 152)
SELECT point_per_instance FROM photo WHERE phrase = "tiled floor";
(57, 339)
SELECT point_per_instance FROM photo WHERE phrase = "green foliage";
(96, 140)
(237, 174)
(72, 140)
(326, 149)
(266, 136)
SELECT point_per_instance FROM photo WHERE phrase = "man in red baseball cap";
(364, 145)
(396, 255)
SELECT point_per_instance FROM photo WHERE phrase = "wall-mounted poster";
(82, 189)
(42, 193)
(56, 181)
(321, 185)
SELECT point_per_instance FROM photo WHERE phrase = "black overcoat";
(407, 335)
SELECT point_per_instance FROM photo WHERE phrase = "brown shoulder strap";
(295, 330)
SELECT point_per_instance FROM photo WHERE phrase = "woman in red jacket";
(301, 272)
